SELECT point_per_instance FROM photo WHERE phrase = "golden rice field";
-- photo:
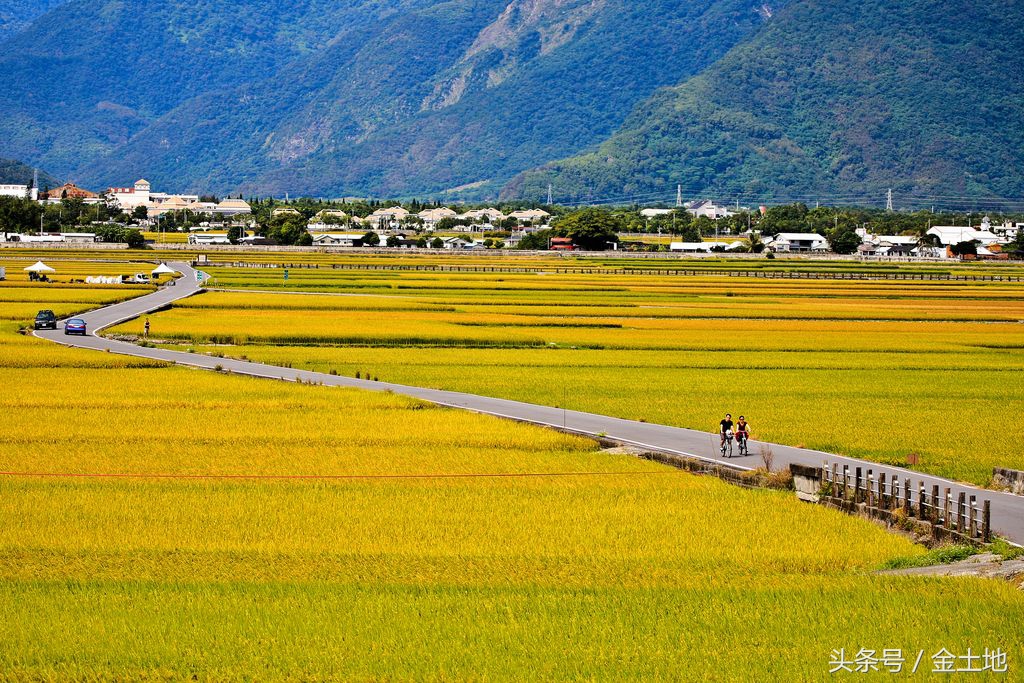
(874, 369)
(258, 530)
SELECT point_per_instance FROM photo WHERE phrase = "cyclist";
(742, 433)
(724, 426)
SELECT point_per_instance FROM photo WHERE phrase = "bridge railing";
(887, 497)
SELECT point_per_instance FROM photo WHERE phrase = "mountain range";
(469, 99)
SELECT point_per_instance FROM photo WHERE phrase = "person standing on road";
(724, 426)
(146, 329)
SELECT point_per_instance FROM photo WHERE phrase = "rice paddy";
(164, 523)
(883, 370)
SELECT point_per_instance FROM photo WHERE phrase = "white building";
(127, 198)
(708, 209)
(431, 217)
(338, 239)
(208, 238)
(489, 215)
(386, 219)
(798, 242)
(703, 247)
(653, 213)
(949, 235)
(19, 191)
(530, 216)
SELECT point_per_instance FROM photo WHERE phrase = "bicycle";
(741, 443)
(727, 444)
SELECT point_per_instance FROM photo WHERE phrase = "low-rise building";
(798, 242)
(709, 209)
(704, 247)
(530, 216)
(338, 239)
(208, 238)
(431, 217)
(387, 219)
(19, 191)
(950, 235)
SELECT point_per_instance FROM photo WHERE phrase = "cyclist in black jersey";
(723, 427)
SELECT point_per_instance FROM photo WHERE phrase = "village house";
(387, 219)
(19, 191)
(431, 217)
(950, 235)
(530, 216)
(704, 247)
(338, 239)
(68, 191)
(708, 209)
(208, 238)
(798, 242)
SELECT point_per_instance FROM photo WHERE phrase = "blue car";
(75, 326)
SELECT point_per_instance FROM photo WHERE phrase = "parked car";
(75, 326)
(46, 320)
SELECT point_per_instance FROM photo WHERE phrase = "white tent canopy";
(163, 269)
(40, 267)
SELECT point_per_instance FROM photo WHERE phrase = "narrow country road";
(1007, 509)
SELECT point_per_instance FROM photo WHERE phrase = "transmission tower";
(888, 201)
(679, 195)
(550, 201)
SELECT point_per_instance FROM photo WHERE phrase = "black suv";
(46, 319)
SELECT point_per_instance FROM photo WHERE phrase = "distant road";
(1007, 509)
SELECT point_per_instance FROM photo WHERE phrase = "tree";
(288, 229)
(437, 243)
(536, 241)
(393, 241)
(371, 239)
(19, 215)
(843, 239)
(591, 229)
(140, 213)
(234, 234)
(969, 248)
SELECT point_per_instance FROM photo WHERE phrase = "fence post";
(870, 497)
(972, 525)
(947, 503)
(921, 514)
(961, 512)
(856, 486)
(906, 497)
(986, 521)
(882, 504)
(895, 485)
(935, 504)
(846, 481)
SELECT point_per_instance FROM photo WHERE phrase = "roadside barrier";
(888, 499)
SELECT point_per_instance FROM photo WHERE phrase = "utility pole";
(888, 201)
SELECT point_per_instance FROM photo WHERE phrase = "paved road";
(1007, 509)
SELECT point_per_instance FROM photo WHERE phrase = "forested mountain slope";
(393, 97)
(832, 98)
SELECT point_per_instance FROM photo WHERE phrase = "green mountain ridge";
(14, 172)
(836, 99)
(15, 15)
(375, 97)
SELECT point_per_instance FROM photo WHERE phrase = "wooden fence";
(856, 490)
